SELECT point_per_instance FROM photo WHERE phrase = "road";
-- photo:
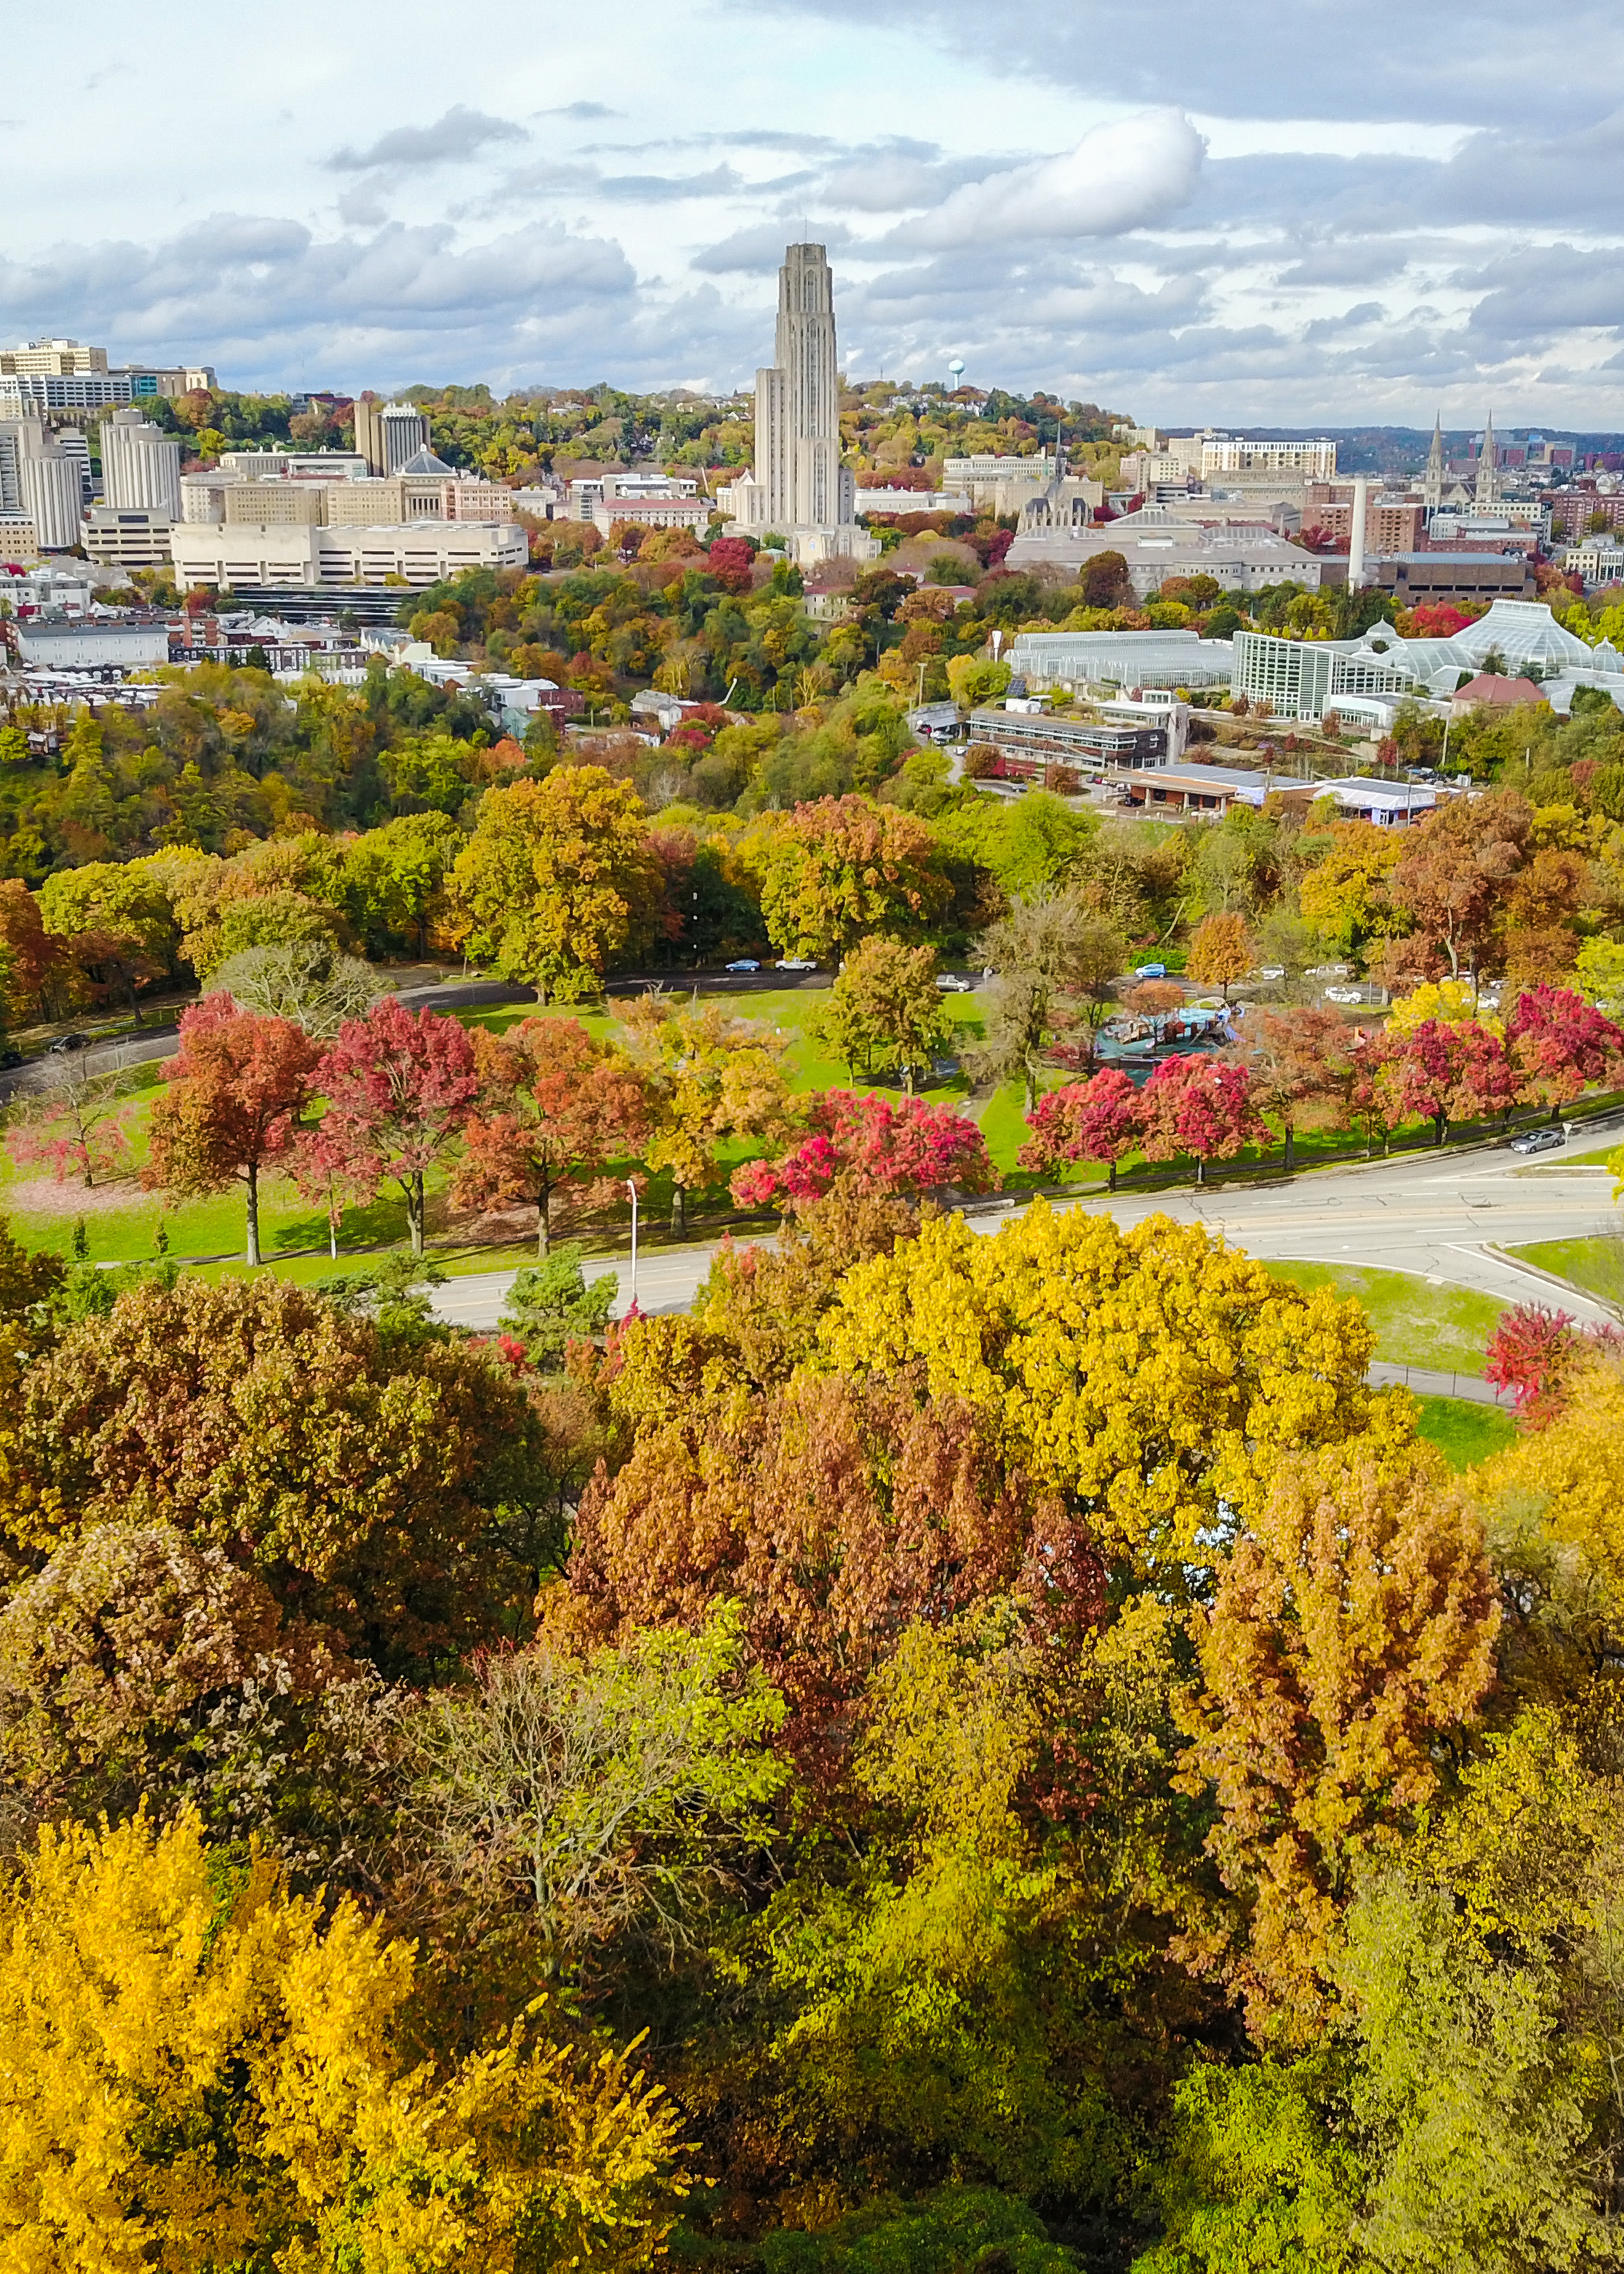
(1439, 1219)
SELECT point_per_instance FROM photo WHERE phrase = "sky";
(1311, 214)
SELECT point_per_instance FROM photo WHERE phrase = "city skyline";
(1361, 218)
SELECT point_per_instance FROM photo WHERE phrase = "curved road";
(1439, 1219)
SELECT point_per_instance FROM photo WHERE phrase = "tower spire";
(1488, 469)
(1432, 481)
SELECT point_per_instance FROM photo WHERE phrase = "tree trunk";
(253, 1213)
(1110, 1183)
(1441, 1122)
(1201, 1169)
(1290, 1158)
(413, 1210)
(678, 1212)
(543, 1219)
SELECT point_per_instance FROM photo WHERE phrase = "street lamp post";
(631, 1186)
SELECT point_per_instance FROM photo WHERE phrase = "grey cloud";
(1531, 295)
(721, 181)
(1330, 327)
(579, 111)
(461, 134)
(1369, 261)
(1119, 176)
(1381, 59)
(760, 248)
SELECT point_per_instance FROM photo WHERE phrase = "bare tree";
(1055, 961)
(306, 981)
(600, 1791)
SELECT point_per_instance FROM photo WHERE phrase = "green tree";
(394, 878)
(1050, 954)
(557, 879)
(885, 997)
(710, 1078)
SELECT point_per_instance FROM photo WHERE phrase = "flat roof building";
(1118, 660)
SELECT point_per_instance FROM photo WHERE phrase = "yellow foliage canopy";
(1155, 1373)
(198, 2072)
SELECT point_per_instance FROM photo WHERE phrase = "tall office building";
(141, 464)
(387, 434)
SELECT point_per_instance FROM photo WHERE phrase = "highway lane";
(1437, 1219)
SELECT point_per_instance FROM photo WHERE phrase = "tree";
(1443, 1071)
(122, 906)
(1451, 1002)
(840, 868)
(1537, 1353)
(868, 1147)
(394, 878)
(557, 879)
(1345, 894)
(1152, 1374)
(552, 1304)
(595, 1791)
(380, 1483)
(1201, 1106)
(1561, 1046)
(398, 1089)
(556, 1107)
(235, 1089)
(1049, 949)
(1451, 874)
(202, 2066)
(35, 965)
(1301, 1069)
(77, 1122)
(885, 994)
(974, 679)
(1353, 1625)
(710, 1078)
(1220, 953)
(1096, 1121)
(307, 982)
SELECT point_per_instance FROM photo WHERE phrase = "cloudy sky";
(1318, 212)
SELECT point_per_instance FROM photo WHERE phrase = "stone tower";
(1432, 481)
(798, 403)
(1488, 472)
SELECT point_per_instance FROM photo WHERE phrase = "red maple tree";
(556, 1107)
(235, 1089)
(868, 1145)
(398, 1088)
(1096, 1121)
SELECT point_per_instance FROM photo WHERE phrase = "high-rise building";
(140, 465)
(404, 431)
(798, 487)
(39, 479)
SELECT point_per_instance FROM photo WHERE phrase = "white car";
(1343, 995)
(1272, 971)
(796, 963)
(951, 984)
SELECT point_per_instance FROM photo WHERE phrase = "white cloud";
(460, 134)
(1123, 175)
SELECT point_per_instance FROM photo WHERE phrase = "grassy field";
(1596, 1264)
(1445, 1329)
(1465, 1433)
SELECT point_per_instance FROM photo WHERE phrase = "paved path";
(1435, 1218)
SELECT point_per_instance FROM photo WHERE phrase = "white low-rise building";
(1079, 660)
(228, 554)
(58, 647)
(1240, 557)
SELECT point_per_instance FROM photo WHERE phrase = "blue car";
(1151, 971)
(745, 963)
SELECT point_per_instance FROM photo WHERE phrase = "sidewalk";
(1425, 1384)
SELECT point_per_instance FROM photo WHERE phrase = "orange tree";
(555, 1107)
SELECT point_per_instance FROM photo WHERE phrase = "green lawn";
(1596, 1264)
(1465, 1433)
(1445, 1329)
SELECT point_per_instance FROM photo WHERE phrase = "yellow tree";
(201, 2070)
(1220, 953)
(1153, 1373)
(556, 879)
(1344, 895)
(1352, 1629)
(710, 1078)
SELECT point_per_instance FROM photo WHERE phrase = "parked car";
(745, 963)
(1343, 995)
(943, 1069)
(951, 984)
(1272, 971)
(70, 1043)
(796, 963)
(9, 1058)
(1539, 1141)
(1151, 971)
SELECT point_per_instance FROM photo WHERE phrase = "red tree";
(558, 1107)
(1560, 1044)
(1200, 1106)
(398, 1090)
(730, 560)
(1096, 1121)
(235, 1089)
(1301, 1069)
(1445, 1071)
(1533, 1353)
(869, 1145)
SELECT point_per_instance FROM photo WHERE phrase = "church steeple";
(1432, 481)
(1488, 469)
